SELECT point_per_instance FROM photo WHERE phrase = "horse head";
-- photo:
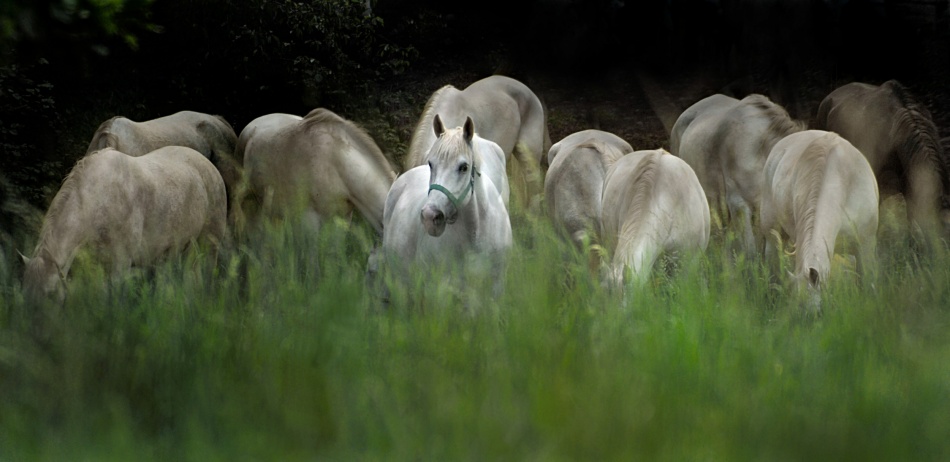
(808, 282)
(452, 173)
(43, 279)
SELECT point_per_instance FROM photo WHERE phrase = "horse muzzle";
(434, 220)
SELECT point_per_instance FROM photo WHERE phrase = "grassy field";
(708, 362)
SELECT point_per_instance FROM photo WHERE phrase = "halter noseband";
(456, 200)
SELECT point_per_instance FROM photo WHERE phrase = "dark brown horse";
(897, 135)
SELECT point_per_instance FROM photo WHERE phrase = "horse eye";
(463, 168)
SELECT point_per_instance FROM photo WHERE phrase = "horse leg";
(529, 160)
(311, 222)
(867, 264)
(119, 271)
(374, 279)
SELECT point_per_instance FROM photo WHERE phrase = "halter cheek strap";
(456, 201)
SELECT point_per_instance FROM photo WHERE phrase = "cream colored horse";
(574, 183)
(899, 139)
(507, 112)
(320, 166)
(652, 204)
(450, 214)
(726, 142)
(259, 127)
(128, 211)
(212, 136)
(820, 191)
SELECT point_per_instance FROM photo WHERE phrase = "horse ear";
(469, 129)
(437, 126)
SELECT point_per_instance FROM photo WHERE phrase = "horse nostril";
(432, 214)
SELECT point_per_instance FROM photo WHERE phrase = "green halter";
(455, 200)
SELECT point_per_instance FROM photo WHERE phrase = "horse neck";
(475, 211)
(61, 236)
(815, 243)
(471, 215)
(815, 253)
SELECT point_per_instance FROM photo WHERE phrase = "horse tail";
(224, 121)
(222, 141)
(609, 153)
(101, 141)
(546, 144)
(647, 172)
(821, 118)
(103, 137)
(633, 246)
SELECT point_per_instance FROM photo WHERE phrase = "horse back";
(864, 115)
(181, 177)
(704, 108)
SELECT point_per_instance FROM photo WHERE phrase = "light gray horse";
(898, 137)
(507, 112)
(319, 166)
(574, 183)
(726, 142)
(652, 204)
(128, 211)
(210, 135)
(821, 193)
(449, 214)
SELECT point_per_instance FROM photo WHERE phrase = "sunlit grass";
(276, 352)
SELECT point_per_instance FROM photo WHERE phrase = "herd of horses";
(146, 190)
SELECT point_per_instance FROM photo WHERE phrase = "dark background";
(66, 66)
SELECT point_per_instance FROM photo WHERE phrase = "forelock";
(451, 145)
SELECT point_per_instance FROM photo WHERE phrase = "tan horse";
(726, 142)
(575, 181)
(505, 111)
(128, 211)
(898, 137)
(264, 123)
(210, 135)
(653, 204)
(820, 191)
(321, 165)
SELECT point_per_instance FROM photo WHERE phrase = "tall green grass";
(286, 357)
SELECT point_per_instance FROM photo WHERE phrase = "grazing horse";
(260, 125)
(507, 112)
(212, 136)
(898, 137)
(129, 211)
(652, 204)
(820, 191)
(726, 142)
(450, 214)
(321, 165)
(574, 183)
